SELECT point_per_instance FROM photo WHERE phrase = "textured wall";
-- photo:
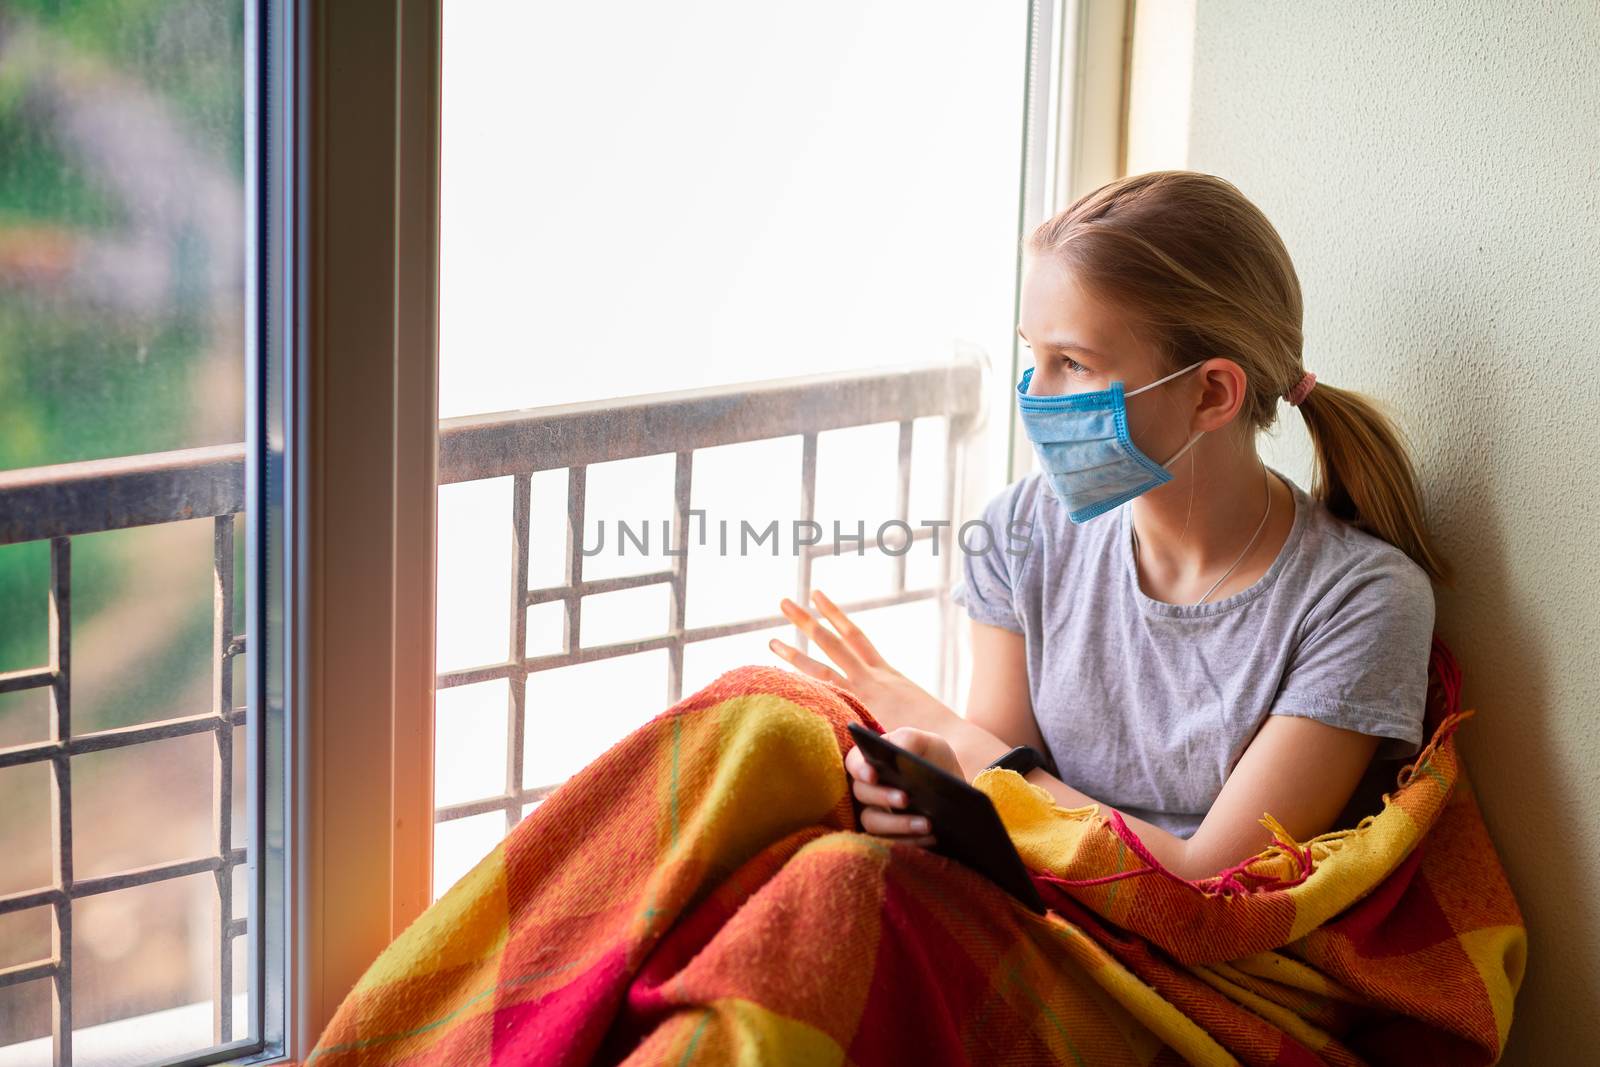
(1434, 169)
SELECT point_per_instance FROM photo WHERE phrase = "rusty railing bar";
(119, 737)
(113, 494)
(517, 679)
(93, 496)
(27, 972)
(110, 883)
(488, 672)
(682, 484)
(27, 678)
(474, 447)
(549, 661)
(956, 431)
(593, 586)
(28, 898)
(61, 799)
(222, 642)
(492, 671)
(577, 501)
(902, 500)
(158, 872)
(484, 805)
(888, 600)
(808, 513)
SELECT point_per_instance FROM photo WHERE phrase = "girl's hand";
(893, 699)
(882, 814)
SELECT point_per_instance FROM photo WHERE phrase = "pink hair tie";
(1298, 393)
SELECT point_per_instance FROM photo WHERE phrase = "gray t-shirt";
(1146, 706)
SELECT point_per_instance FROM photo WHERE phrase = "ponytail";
(1364, 473)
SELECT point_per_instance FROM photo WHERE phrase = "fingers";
(879, 816)
(866, 786)
(893, 823)
(826, 639)
(806, 664)
(878, 796)
(856, 763)
(849, 631)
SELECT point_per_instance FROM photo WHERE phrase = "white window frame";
(1079, 54)
(361, 159)
(362, 162)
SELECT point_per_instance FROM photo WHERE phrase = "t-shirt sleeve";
(989, 560)
(1362, 663)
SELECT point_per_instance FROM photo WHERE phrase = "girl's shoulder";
(1343, 562)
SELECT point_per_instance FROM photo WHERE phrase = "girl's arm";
(998, 700)
(1301, 770)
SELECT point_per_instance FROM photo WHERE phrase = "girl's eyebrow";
(1061, 343)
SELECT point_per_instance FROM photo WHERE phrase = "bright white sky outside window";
(642, 197)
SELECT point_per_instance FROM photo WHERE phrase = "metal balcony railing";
(58, 503)
(520, 444)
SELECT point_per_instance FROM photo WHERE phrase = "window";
(227, 430)
(135, 783)
(752, 288)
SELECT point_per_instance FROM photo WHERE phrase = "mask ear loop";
(1187, 515)
(1186, 448)
(1189, 512)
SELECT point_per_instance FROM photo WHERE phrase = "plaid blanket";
(700, 894)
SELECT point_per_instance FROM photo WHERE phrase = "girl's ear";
(1223, 388)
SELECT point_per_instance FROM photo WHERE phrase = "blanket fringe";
(1302, 857)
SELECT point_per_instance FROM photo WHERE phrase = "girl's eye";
(1072, 365)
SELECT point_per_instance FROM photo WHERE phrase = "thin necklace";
(1262, 525)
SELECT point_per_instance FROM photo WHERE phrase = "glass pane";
(576, 713)
(852, 209)
(733, 576)
(142, 805)
(474, 576)
(24, 830)
(459, 844)
(124, 271)
(141, 625)
(470, 742)
(703, 661)
(852, 204)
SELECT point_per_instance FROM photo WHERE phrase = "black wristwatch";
(1023, 759)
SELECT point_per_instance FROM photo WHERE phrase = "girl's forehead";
(1088, 330)
(1058, 312)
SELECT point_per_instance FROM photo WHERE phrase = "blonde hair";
(1200, 272)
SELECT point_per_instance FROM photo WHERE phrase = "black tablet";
(964, 823)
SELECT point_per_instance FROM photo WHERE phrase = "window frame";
(342, 457)
(1079, 59)
(361, 173)
(359, 267)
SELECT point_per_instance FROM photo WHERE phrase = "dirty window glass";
(124, 902)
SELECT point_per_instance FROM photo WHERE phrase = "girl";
(1225, 644)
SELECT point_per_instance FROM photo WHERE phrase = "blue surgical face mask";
(1083, 446)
